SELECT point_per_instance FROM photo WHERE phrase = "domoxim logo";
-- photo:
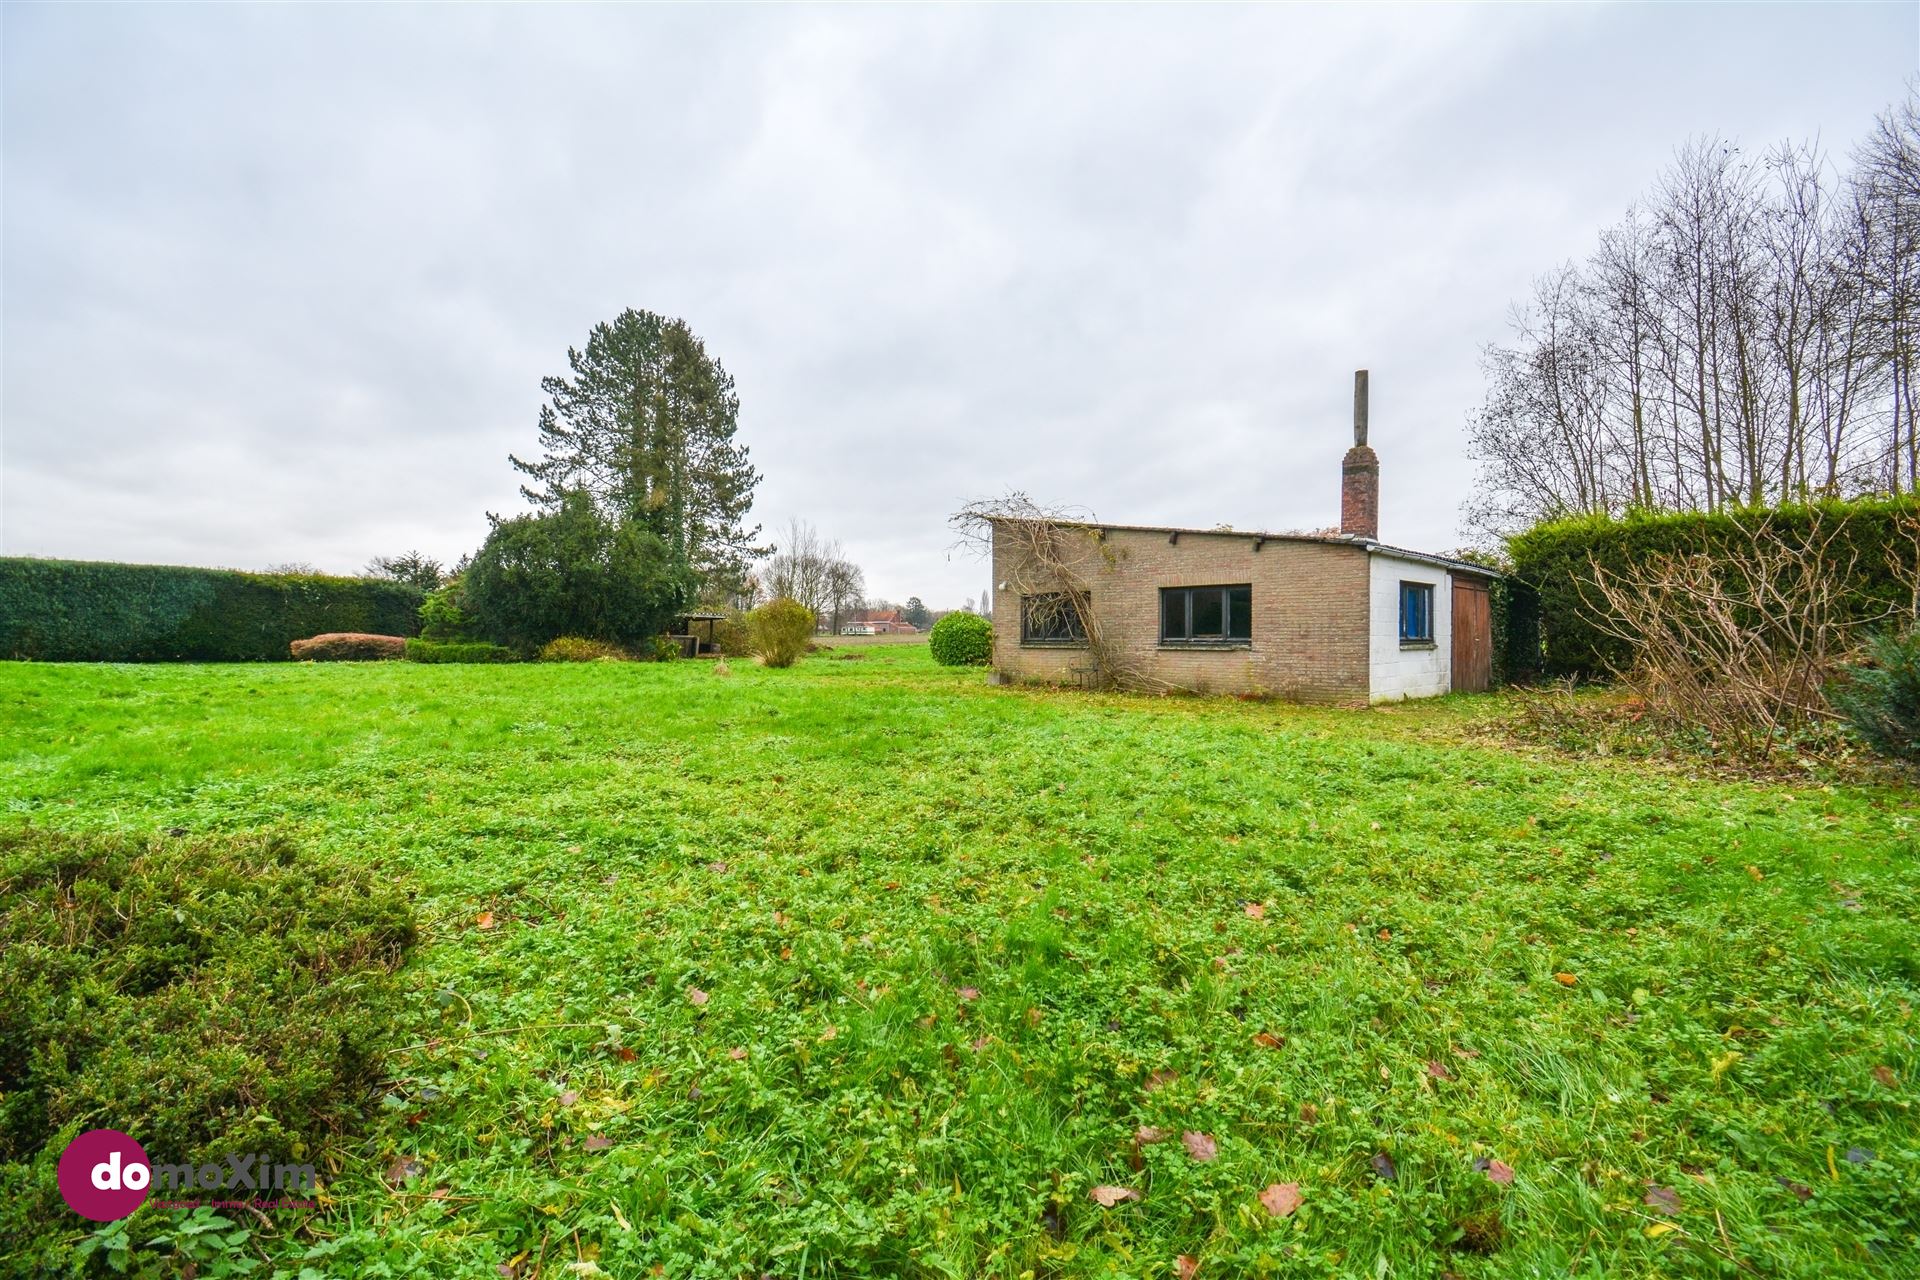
(104, 1175)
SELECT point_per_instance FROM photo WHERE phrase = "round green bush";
(962, 640)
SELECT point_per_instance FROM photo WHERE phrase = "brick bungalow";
(1335, 617)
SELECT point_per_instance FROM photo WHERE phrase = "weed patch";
(207, 995)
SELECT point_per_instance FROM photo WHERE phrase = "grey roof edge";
(1369, 545)
(1464, 566)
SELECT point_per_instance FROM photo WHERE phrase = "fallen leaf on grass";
(830, 1033)
(1565, 979)
(1885, 1076)
(1497, 1170)
(1186, 1266)
(1662, 1199)
(1200, 1146)
(1438, 1070)
(969, 993)
(696, 996)
(597, 1142)
(1147, 1135)
(1268, 1040)
(484, 920)
(1158, 1080)
(737, 1053)
(1107, 1197)
(570, 1097)
(1383, 1167)
(405, 1169)
(1309, 1114)
(1800, 1189)
(1255, 911)
(1281, 1198)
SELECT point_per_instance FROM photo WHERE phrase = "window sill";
(1053, 644)
(1203, 646)
(1418, 644)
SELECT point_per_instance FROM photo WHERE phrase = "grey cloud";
(280, 283)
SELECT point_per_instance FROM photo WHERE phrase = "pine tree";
(645, 425)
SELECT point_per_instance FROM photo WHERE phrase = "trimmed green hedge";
(1556, 558)
(85, 611)
(459, 651)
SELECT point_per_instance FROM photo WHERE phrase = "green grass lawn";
(864, 968)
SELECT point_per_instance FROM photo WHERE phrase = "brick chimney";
(1360, 473)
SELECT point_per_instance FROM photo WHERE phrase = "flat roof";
(1369, 545)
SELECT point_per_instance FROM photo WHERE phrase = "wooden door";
(1472, 636)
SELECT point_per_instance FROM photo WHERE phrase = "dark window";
(1206, 615)
(1050, 619)
(1416, 613)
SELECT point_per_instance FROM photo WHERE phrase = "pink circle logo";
(104, 1175)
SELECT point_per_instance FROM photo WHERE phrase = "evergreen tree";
(645, 426)
(574, 570)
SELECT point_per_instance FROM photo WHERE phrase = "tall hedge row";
(83, 611)
(1556, 560)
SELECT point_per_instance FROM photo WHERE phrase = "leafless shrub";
(1741, 642)
(1049, 556)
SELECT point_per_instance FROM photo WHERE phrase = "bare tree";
(816, 572)
(1746, 336)
(846, 584)
(1889, 218)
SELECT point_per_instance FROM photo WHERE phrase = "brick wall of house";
(1310, 612)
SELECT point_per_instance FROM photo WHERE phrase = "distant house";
(877, 622)
(1335, 617)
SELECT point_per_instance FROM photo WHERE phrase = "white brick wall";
(1396, 672)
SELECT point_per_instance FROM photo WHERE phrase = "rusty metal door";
(1472, 636)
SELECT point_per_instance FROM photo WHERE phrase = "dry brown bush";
(349, 646)
(1742, 642)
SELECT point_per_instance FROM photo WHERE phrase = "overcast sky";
(280, 283)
